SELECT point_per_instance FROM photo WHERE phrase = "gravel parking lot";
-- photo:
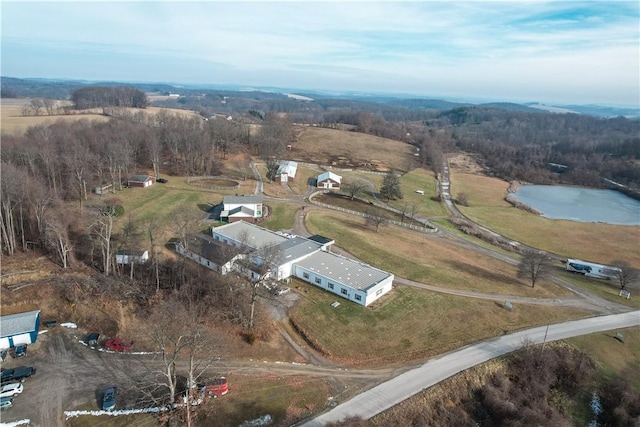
(69, 375)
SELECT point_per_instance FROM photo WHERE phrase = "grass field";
(606, 289)
(417, 257)
(344, 149)
(409, 324)
(282, 216)
(611, 355)
(600, 243)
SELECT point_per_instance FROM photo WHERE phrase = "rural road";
(392, 392)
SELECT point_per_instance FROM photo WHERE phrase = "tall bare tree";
(57, 236)
(534, 266)
(354, 188)
(624, 273)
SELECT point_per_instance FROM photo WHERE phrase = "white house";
(19, 328)
(128, 256)
(329, 180)
(236, 208)
(280, 256)
(141, 181)
(286, 170)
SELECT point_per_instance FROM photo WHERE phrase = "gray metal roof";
(249, 234)
(343, 270)
(211, 249)
(296, 248)
(240, 200)
(140, 178)
(240, 209)
(19, 323)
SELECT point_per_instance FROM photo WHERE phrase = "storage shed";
(19, 328)
(141, 181)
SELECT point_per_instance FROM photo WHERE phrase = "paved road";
(392, 392)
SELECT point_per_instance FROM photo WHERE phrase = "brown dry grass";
(351, 150)
(418, 257)
(13, 122)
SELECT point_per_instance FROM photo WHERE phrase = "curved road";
(392, 392)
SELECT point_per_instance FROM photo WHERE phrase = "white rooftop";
(249, 234)
(19, 323)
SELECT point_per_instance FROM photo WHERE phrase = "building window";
(344, 291)
(379, 292)
(305, 275)
(318, 280)
(330, 285)
(358, 297)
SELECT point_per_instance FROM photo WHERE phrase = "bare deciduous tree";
(534, 265)
(57, 236)
(354, 188)
(376, 218)
(624, 273)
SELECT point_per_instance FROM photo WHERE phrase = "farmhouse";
(20, 328)
(236, 208)
(286, 170)
(256, 252)
(141, 181)
(329, 180)
(128, 256)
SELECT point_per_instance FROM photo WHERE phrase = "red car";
(117, 344)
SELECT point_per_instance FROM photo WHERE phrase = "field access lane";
(394, 391)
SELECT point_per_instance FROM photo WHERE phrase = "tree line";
(108, 96)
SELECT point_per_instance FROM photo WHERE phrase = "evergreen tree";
(391, 187)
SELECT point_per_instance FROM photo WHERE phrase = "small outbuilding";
(19, 328)
(286, 170)
(141, 181)
(329, 180)
(128, 256)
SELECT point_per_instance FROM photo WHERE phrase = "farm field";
(600, 243)
(343, 149)
(13, 122)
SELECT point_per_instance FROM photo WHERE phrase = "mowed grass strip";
(601, 243)
(418, 257)
(409, 324)
(286, 398)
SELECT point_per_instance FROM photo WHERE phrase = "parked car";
(5, 402)
(109, 399)
(20, 351)
(10, 390)
(92, 339)
(216, 387)
(162, 180)
(118, 344)
(16, 374)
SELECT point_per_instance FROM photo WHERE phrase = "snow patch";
(262, 421)
(69, 325)
(299, 97)
(44, 331)
(15, 423)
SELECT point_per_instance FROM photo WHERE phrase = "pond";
(580, 204)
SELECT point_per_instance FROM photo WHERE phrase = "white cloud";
(388, 45)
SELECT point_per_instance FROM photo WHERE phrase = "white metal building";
(19, 328)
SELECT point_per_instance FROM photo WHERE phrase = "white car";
(10, 390)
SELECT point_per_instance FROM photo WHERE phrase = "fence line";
(425, 227)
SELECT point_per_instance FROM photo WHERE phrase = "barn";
(329, 180)
(19, 328)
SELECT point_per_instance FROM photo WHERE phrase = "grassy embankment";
(600, 243)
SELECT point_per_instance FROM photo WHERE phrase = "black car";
(109, 399)
(16, 374)
(92, 339)
(162, 180)
(20, 351)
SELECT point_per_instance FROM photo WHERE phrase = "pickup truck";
(16, 374)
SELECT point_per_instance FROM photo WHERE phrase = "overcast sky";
(552, 52)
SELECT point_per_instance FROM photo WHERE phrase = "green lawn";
(282, 217)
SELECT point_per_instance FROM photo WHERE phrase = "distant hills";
(13, 87)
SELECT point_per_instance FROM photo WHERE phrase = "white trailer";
(591, 269)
